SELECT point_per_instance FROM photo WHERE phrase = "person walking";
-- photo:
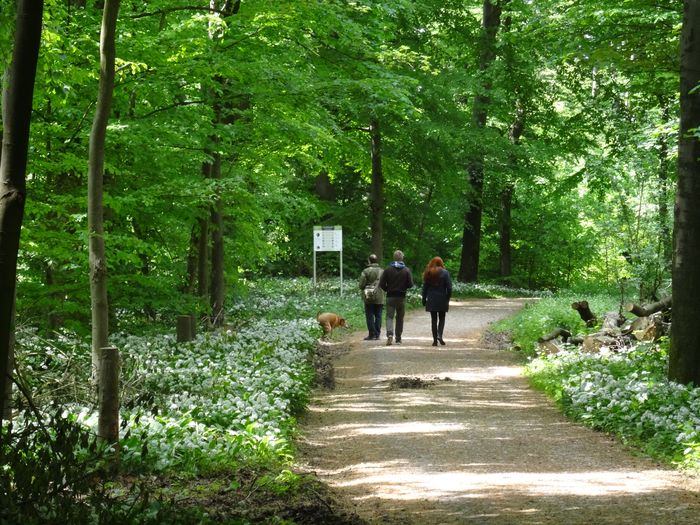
(373, 297)
(437, 290)
(395, 280)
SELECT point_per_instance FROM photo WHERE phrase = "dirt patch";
(414, 382)
(498, 340)
(482, 448)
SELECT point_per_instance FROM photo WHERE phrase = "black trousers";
(437, 323)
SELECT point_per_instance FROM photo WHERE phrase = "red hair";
(431, 274)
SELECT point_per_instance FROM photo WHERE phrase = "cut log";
(548, 347)
(648, 309)
(585, 312)
(594, 343)
(648, 328)
(563, 332)
(612, 322)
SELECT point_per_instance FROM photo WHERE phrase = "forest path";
(479, 448)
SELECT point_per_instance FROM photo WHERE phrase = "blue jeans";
(373, 316)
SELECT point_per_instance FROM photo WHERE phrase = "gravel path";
(476, 445)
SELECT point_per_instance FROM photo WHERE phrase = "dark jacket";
(436, 297)
(396, 279)
(369, 276)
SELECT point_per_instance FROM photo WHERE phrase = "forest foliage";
(267, 112)
(296, 85)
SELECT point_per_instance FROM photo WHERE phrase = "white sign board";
(328, 238)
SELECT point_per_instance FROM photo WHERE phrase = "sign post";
(329, 239)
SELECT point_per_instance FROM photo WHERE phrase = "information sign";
(329, 239)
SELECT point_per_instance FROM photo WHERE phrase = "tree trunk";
(98, 264)
(108, 417)
(16, 119)
(471, 235)
(217, 292)
(424, 216)
(191, 274)
(203, 258)
(684, 356)
(516, 131)
(324, 187)
(203, 245)
(662, 195)
(377, 191)
(505, 223)
(7, 413)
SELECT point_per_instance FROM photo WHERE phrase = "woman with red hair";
(437, 289)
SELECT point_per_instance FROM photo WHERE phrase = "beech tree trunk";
(324, 187)
(424, 215)
(108, 417)
(377, 191)
(16, 119)
(663, 191)
(192, 252)
(471, 235)
(505, 222)
(203, 258)
(98, 263)
(217, 291)
(684, 356)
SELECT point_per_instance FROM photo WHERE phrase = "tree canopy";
(577, 137)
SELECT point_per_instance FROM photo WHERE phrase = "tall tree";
(16, 117)
(98, 262)
(377, 191)
(684, 358)
(471, 235)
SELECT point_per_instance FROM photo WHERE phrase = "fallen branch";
(563, 332)
(648, 309)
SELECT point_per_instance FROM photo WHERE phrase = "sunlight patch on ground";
(404, 485)
(409, 427)
(473, 375)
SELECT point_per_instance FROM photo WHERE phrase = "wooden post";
(193, 326)
(108, 419)
(184, 328)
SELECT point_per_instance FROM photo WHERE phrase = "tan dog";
(329, 321)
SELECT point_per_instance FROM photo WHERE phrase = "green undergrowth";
(546, 313)
(219, 407)
(207, 426)
(625, 393)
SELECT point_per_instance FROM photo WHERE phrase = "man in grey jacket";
(373, 297)
(395, 280)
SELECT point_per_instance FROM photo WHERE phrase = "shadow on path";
(477, 445)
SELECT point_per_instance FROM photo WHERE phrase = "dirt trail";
(477, 445)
